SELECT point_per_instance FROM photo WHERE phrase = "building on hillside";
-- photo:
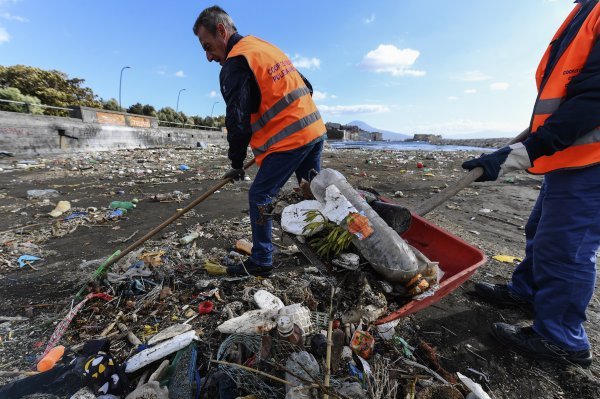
(336, 131)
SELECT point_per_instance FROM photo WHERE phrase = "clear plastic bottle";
(385, 250)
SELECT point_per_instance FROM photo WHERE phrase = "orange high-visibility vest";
(287, 117)
(585, 151)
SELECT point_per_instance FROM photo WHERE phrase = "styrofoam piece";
(473, 386)
(267, 301)
(169, 332)
(293, 217)
(337, 207)
(159, 351)
(252, 322)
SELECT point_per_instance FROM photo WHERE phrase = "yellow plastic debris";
(214, 269)
(507, 258)
(153, 258)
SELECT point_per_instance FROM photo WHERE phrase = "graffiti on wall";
(110, 119)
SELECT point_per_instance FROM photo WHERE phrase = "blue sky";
(446, 67)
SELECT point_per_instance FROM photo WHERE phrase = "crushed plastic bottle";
(385, 250)
(122, 205)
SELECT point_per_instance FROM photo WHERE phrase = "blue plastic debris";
(25, 259)
(184, 167)
(75, 215)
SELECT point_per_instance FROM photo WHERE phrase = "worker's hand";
(496, 164)
(235, 174)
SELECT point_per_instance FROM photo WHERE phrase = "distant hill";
(387, 135)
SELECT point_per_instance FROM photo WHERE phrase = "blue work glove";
(506, 159)
(235, 174)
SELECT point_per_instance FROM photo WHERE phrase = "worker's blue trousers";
(274, 172)
(559, 269)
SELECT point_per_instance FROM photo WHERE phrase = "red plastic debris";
(205, 307)
(420, 165)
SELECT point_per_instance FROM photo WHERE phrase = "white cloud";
(353, 109)
(10, 17)
(305, 62)
(452, 98)
(370, 19)
(179, 74)
(388, 58)
(473, 76)
(470, 91)
(322, 95)
(212, 94)
(4, 36)
(499, 86)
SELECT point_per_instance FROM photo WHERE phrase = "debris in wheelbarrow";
(385, 250)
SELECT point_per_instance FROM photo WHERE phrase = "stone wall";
(26, 134)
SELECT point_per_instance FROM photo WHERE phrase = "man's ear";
(221, 31)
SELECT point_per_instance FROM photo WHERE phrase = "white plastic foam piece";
(159, 351)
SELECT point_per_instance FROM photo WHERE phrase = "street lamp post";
(177, 107)
(120, 82)
(213, 108)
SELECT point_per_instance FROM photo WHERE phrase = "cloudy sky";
(446, 67)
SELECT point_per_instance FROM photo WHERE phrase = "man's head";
(214, 27)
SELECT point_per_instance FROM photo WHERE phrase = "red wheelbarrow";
(457, 259)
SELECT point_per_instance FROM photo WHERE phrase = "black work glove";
(235, 174)
(496, 164)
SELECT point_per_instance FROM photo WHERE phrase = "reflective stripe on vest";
(287, 117)
(288, 131)
(585, 151)
(278, 107)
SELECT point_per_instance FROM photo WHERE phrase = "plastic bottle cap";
(285, 327)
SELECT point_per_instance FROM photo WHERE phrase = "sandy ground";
(489, 216)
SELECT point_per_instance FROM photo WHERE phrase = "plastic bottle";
(51, 358)
(189, 238)
(299, 315)
(122, 205)
(385, 250)
(289, 332)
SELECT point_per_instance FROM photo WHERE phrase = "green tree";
(14, 94)
(50, 87)
(148, 110)
(136, 108)
(110, 105)
(168, 114)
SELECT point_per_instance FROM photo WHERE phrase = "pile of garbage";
(166, 322)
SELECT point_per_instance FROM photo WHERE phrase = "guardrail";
(186, 125)
(29, 106)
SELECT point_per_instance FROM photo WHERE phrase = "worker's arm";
(576, 116)
(236, 79)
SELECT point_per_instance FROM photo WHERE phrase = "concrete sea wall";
(27, 134)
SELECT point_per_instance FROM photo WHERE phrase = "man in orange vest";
(270, 108)
(556, 278)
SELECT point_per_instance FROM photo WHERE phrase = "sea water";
(403, 146)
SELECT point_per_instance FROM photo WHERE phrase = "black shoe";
(249, 268)
(528, 342)
(500, 295)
